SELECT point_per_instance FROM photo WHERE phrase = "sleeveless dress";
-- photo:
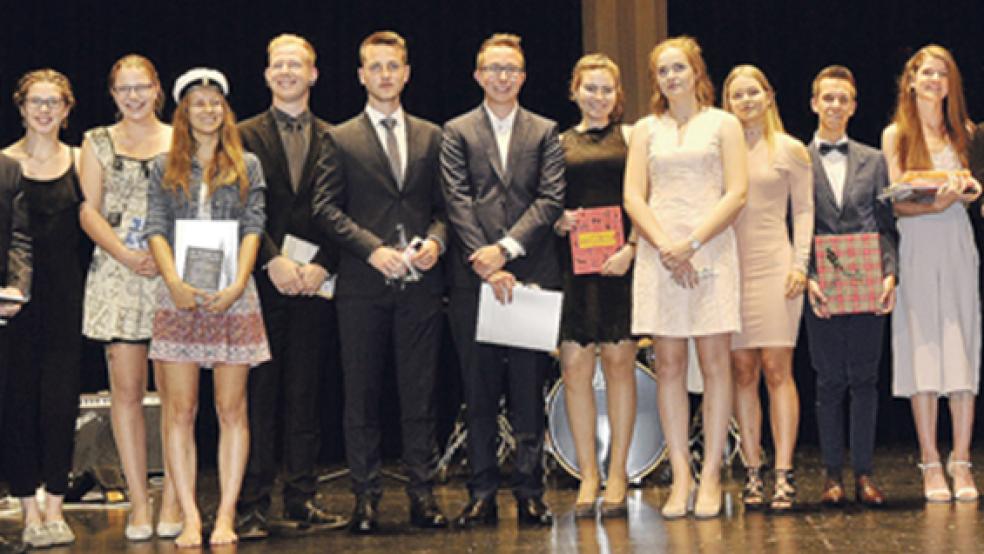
(936, 324)
(596, 308)
(119, 304)
(686, 181)
(768, 318)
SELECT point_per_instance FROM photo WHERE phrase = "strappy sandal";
(963, 494)
(784, 497)
(937, 496)
(753, 493)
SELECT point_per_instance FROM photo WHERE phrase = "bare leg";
(31, 511)
(715, 364)
(577, 366)
(925, 406)
(674, 413)
(53, 504)
(181, 383)
(128, 384)
(230, 406)
(618, 361)
(962, 414)
(170, 511)
(784, 408)
(747, 368)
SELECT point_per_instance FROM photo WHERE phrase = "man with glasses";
(381, 202)
(503, 172)
(291, 145)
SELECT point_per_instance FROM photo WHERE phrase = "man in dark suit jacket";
(383, 193)
(504, 184)
(15, 260)
(845, 350)
(292, 145)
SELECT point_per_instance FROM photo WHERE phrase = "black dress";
(44, 383)
(596, 308)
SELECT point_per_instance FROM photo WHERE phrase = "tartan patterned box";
(597, 235)
(849, 271)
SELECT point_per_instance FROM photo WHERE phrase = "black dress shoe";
(252, 526)
(364, 516)
(532, 511)
(310, 516)
(425, 513)
(478, 511)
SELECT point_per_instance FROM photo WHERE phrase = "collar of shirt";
(376, 116)
(288, 122)
(818, 141)
(501, 124)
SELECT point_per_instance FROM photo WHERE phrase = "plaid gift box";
(849, 271)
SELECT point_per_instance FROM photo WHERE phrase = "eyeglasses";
(141, 89)
(52, 103)
(511, 71)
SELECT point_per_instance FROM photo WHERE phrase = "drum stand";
(459, 434)
(732, 444)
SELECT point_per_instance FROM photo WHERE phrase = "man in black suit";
(845, 350)
(382, 204)
(292, 145)
(503, 172)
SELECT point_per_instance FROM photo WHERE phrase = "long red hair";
(911, 147)
(227, 166)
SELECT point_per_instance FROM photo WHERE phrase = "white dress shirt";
(835, 166)
(400, 130)
(502, 130)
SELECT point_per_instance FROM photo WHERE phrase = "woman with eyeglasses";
(119, 294)
(936, 325)
(206, 176)
(43, 382)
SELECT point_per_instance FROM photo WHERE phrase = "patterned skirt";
(236, 336)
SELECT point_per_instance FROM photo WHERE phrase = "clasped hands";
(10, 309)
(390, 262)
(675, 257)
(187, 297)
(293, 279)
(487, 262)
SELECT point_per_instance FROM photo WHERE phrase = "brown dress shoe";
(833, 493)
(867, 493)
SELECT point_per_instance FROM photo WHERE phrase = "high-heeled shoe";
(679, 509)
(963, 494)
(585, 510)
(938, 495)
(753, 493)
(709, 509)
(617, 508)
(784, 498)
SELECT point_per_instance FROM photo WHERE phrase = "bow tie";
(826, 148)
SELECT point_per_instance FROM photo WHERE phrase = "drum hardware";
(454, 449)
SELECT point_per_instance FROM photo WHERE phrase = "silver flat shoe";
(36, 536)
(60, 533)
(169, 530)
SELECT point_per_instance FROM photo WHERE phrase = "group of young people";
(406, 214)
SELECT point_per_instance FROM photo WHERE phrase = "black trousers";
(301, 331)
(487, 372)
(845, 352)
(408, 324)
(42, 399)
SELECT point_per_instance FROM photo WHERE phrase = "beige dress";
(775, 181)
(686, 181)
(936, 324)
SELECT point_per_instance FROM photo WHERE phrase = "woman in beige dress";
(773, 277)
(936, 325)
(685, 182)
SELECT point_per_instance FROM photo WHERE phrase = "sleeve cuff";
(513, 247)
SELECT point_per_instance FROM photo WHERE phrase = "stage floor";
(906, 524)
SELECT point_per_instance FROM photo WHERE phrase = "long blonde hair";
(773, 123)
(911, 146)
(227, 167)
(703, 88)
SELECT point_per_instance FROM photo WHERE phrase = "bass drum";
(648, 445)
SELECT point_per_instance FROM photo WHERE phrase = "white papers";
(221, 234)
(531, 320)
(302, 252)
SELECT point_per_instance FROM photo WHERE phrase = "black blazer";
(485, 203)
(287, 211)
(860, 211)
(15, 237)
(358, 203)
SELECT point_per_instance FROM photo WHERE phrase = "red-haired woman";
(206, 175)
(936, 325)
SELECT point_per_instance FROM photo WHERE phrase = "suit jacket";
(860, 210)
(486, 203)
(287, 211)
(15, 237)
(358, 204)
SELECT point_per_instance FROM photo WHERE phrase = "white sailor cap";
(203, 76)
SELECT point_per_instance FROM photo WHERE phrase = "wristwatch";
(694, 243)
(505, 251)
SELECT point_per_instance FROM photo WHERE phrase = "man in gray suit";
(381, 192)
(845, 350)
(503, 172)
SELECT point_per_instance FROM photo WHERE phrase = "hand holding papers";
(531, 320)
(206, 252)
(11, 300)
(849, 272)
(595, 237)
(303, 252)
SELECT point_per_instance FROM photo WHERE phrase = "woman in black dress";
(44, 378)
(597, 306)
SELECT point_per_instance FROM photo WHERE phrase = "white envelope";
(222, 234)
(531, 320)
(302, 252)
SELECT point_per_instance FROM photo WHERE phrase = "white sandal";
(937, 496)
(963, 494)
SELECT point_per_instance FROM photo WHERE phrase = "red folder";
(849, 271)
(597, 235)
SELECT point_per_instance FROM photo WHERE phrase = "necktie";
(392, 150)
(294, 148)
(826, 148)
